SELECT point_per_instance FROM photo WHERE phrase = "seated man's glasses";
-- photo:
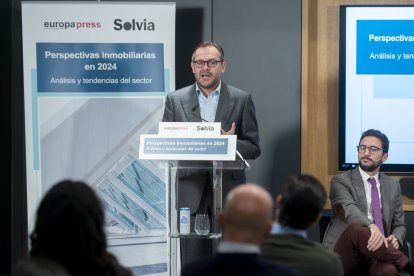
(210, 63)
(371, 149)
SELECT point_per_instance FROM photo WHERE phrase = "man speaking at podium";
(211, 100)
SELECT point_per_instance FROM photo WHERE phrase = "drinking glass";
(202, 224)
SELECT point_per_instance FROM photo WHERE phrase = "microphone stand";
(246, 164)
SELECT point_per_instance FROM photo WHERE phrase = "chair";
(323, 223)
(406, 248)
(407, 186)
(407, 189)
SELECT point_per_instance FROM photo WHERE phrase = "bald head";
(247, 214)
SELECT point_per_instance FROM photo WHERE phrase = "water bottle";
(185, 220)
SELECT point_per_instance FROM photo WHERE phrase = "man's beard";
(369, 168)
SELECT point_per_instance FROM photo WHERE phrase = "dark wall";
(5, 149)
(262, 44)
(17, 207)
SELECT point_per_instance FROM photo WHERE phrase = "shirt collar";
(365, 176)
(278, 229)
(238, 247)
(217, 91)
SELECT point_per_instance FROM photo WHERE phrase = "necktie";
(375, 203)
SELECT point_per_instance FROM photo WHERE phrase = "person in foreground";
(209, 99)
(367, 227)
(38, 266)
(245, 223)
(297, 208)
(69, 231)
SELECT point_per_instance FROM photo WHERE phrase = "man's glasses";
(210, 63)
(371, 149)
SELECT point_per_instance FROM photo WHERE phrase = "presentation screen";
(377, 82)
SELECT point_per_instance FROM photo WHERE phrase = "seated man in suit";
(245, 223)
(297, 208)
(367, 226)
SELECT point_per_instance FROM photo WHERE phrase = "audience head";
(69, 230)
(246, 216)
(38, 266)
(301, 202)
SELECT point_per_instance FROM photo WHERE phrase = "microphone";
(195, 115)
(204, 120)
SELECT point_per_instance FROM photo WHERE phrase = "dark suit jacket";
(234, 264)
(347, 191)
(234, 105)
(306, 256)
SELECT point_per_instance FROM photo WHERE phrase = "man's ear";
(317, 219)
(223, 66)
(279, 201)
(221, 220)
(267, 230)
(384, 157)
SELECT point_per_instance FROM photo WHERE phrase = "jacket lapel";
(190, 105)
(359, 187)
(225, 107)
(385, 203)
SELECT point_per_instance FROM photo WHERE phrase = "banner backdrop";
(95, 77)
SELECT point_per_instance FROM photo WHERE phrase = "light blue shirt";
(280, 229)
(238, 247)
(208, 105)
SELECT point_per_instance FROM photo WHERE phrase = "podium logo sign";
(188, 129)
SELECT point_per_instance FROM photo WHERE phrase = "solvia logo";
(134, 25)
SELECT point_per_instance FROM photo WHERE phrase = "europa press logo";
(65, 25)
(134, 25)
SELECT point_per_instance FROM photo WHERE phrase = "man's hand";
(231, 131)
(393, 241)
(377, 239)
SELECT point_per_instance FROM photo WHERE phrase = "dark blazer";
(306, 256)
(347, 191)
(235, 264)
(234, 105)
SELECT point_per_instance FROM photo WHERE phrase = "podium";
(217, 168)
(189, 146)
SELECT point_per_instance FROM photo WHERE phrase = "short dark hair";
(205, 44)
(378, 134)
(303, 199)
(69, 229)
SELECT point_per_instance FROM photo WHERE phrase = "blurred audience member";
(38, 266)
(297, 208)
(245, 223)
(69, 230)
